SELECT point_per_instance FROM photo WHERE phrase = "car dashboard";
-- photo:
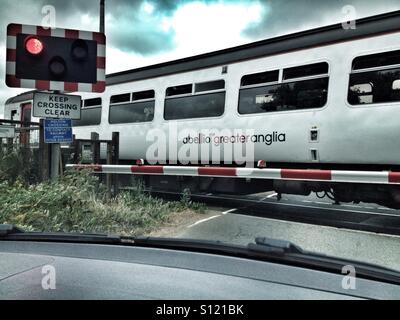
(46, 271)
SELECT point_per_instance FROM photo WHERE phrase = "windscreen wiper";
(265, 249)
(294, 255)
(274, 248)
(275, 251)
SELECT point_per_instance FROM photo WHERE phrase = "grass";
(19, 164)
(77, 203)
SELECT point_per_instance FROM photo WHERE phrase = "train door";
(26, 116)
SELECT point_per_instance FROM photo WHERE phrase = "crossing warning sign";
(60, 106)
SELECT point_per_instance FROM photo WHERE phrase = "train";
(320, 99)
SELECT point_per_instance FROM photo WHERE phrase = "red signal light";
(34, 46)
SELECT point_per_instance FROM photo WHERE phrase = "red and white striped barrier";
(378, 177)
(12, 81)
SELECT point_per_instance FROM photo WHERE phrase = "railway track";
(352, 217)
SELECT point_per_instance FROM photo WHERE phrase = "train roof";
(365, 27)
(28, 95)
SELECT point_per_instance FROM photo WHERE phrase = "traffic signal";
(56, 59)
(34, 46)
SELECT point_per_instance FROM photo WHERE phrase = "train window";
(89, 117)
(362, 88)
(396, 85)
(136, 111)
(95, 102)
(143, 95)
(257, 78)
(260, 99)
(195, 106)
(209, 86)
(132, 112)
(120, 98)
(362, 92)
(396, 90)
(299, 95)
(178, 90)
(306, 71)
(377, 60)
(371, 87)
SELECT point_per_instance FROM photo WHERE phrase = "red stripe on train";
(147, 169)
(394, 177)
(306, 174)
(217, 171)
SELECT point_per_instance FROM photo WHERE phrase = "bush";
(19, 164)
(77, 203)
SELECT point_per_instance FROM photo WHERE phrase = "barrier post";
(115, 160)
(108, 175)
(43, 153)
(94, 137)
(55, 161)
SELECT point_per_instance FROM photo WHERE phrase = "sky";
(145, 32)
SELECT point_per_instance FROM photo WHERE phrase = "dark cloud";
(132, 32)
(281, 17)
(135, 32)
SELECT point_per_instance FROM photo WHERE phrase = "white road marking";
(229, 211)
(320, 202)
(350, 206)
(261, 200)
(204, 220)
(271, 195)
(383, 208)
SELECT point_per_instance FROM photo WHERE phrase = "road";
(242, 225)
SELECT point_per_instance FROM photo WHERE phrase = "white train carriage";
(327, 98)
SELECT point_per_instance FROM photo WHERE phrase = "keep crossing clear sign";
(61, 106)
(57, 130)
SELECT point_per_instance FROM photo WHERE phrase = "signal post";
(55, 62)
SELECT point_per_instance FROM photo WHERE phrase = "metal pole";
(55, 161)
(44, 153)
(102, 16)
(94, 136)
(115, 160)
(108, 175)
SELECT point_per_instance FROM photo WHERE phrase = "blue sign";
(57, 131)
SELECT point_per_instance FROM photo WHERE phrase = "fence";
(88, 151)
(21, 153)
(24, 153)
